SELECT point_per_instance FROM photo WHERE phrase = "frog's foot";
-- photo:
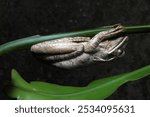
(115, 31)
(112, 26)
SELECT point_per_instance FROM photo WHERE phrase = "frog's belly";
(81, 60)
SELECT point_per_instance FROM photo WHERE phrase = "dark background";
(23, 18)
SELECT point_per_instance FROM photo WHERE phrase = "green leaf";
(99, 89)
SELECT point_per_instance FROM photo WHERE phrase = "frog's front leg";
(97, 39)
(57, 51)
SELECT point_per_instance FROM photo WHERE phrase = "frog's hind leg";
(58, 51)
(77, 50)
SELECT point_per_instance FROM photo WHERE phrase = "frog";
(73, 52)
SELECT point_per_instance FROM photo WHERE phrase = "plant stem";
(29, 41)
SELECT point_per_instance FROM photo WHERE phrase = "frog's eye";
(119, 53)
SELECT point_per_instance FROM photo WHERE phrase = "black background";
(23, 18)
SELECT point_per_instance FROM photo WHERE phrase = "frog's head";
(110, 49)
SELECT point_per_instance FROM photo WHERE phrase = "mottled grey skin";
(71, 52)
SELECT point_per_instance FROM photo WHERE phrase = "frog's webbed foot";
(112, 26)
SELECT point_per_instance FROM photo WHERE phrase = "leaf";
(98, 89)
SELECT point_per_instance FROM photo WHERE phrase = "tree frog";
(71, 52)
